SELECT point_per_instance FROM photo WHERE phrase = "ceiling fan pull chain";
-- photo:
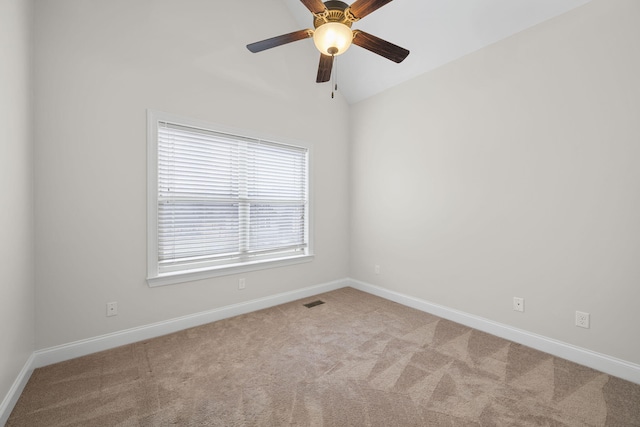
(334, 75)
(335, 64)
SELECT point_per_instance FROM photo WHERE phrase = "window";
(221, 203)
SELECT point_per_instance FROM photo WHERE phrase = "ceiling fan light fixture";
(333, 38)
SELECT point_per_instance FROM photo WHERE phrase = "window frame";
(157, 278)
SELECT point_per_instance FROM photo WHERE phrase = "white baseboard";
(15, 391)
(84, 347)
(601, 362)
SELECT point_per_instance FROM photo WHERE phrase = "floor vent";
(313, 304)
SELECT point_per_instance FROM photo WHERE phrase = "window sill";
(192, 275)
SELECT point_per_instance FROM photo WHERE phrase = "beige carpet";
(356, 360)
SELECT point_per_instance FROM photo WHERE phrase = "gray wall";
(513, 172)
(99, 66)
(16, 179)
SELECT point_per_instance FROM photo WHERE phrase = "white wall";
(16, 179)
(513, 172)
(99, 66)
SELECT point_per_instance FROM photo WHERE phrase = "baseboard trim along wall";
(600, 362)
(15, 391)
(128, 336)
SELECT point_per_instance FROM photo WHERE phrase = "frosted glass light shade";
(333, 35)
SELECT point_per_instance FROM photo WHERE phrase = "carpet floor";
(356, 360)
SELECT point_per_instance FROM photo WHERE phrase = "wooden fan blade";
(378, 46)
(279, 40)
(324, 68)
(314, 6)
(361, 8)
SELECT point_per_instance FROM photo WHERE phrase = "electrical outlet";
(242, 283)
(518, 304)
(376, 269)
(112, 309)
(582, 319)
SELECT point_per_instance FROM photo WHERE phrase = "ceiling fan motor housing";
(334, 13)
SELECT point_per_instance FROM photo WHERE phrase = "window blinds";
(224, 199)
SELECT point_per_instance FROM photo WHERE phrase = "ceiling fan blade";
(279, 40)
(381, 47)
(361, 8)
(324, 68)
(314, 6)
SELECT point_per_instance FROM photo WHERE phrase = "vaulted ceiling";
(435, 31)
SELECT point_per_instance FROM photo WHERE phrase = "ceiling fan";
(333, 34)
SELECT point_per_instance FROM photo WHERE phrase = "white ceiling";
(435, 31)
